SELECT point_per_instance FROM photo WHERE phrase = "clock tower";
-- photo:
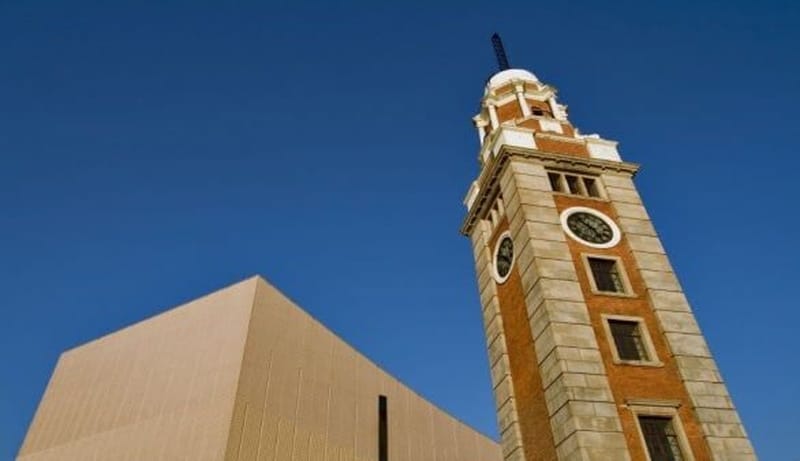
(594, 351)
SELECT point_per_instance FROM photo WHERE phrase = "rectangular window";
(383, 429)
(542, 110)
(628, 340)
(575, 184)
(661, 438)
(591, 187)
(555, 182)
(606, 274)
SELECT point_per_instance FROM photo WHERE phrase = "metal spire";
(500, 52)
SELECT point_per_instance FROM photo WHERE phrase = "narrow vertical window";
(606, 275)
(661, 439)
(555, 182)
(591, 187)
(383, 429)
(628, 340)
(573, 184)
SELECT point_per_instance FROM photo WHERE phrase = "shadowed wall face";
(241, 374)
(305, 394)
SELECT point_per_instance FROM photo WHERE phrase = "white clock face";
(503, 257)
(590, 227)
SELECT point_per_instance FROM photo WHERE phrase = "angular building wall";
(305, 394)
(241, 374)
(163, 388)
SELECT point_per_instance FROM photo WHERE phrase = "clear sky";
(151, 153)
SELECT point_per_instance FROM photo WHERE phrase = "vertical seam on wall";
(264, 407)
(296, 411)
(277, 439)
(328, 408)
(241, 365)
(241, 431)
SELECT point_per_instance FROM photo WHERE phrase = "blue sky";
(153, 152)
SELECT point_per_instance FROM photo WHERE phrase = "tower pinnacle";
(500, 52)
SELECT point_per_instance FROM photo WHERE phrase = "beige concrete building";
(240, 374)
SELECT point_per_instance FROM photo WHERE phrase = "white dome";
(504, 77)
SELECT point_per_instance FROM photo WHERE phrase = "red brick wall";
(534, 422)
(509, 111)
(555, 146)
(630, 381)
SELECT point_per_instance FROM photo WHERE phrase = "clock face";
(590, 228)
(504, 257)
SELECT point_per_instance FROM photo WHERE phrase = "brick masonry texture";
(564, 348)
(502, 386)
(629, 382)
(577, 398)
(593, 399)
(711, 405)
(531, 410)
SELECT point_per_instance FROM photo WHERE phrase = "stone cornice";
(559, 136)
(490, 176)
(541, 95)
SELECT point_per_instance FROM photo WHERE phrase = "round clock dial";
(590, 227)
(504, 258)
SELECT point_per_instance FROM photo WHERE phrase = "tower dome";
(507, 76)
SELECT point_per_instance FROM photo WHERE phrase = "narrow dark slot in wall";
(383, 430)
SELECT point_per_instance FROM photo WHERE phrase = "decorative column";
(493, 114)
(480, 125)
(519, 89)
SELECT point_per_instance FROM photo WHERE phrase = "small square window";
(540, 110)
(606, 275)
(661, 438)
(661, 431)
(628, 340)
